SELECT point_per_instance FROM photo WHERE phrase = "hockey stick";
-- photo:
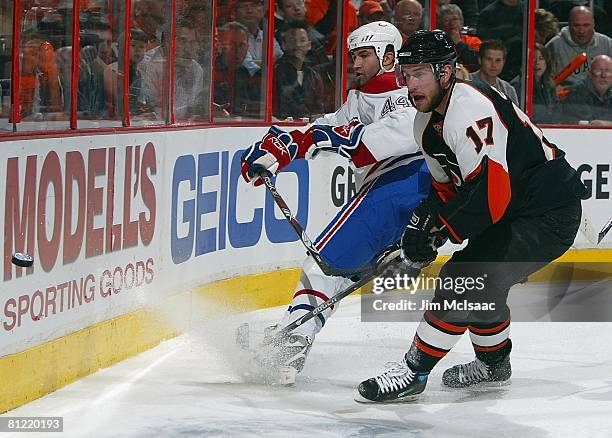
(586, 227)
(604, 231)
(265, 176)
(333, 300)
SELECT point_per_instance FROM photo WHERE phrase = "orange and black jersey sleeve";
(482, 155)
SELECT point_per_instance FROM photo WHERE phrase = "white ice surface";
(188, 386)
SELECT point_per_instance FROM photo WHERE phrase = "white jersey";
(388, 139)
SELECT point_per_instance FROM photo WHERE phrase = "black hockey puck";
(22, 259)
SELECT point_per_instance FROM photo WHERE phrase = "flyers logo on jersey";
(438, 126)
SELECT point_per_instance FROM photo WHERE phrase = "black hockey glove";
(419, 245)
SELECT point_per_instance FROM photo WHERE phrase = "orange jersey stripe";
(450, 229)
(445, 325)
(430, 351)
(495, 348)
(498, 328)
(499, 190)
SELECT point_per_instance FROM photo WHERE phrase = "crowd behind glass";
(220, 64)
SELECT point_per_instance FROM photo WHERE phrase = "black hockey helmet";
(427, 47)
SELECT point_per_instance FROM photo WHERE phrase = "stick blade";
(604, 231)
(243, 336)
(587, 230)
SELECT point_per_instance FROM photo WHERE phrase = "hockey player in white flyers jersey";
(497, 183)
(373, 130)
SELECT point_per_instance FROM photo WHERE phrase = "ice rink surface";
(190, 386)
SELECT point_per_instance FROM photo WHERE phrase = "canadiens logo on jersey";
(391, 105)
(343, 130)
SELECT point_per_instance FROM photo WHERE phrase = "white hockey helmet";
(378, 34)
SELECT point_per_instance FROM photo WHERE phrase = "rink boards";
(123, 226)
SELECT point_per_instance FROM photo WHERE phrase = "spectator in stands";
(201, 16)
(294, 11)
(579, 36)
(98, 24)
(407, 16)
(387, 7)
(39, 91)
(469, 8)
(546, 26)
(562, 8)
(149, 16)
(298, 87)
(502, 20)
(450, 20)
(138, 46)
(63, 55)
(225, 11)
(249, 13)
(95, 89)
(491, 58)
(235, 89)
(322, 15)
(545, 100)
(188, 75)
(591, 99)
(370, 11)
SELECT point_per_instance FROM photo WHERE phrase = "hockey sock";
(433, 340)
(491, 342)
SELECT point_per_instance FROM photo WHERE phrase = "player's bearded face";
(366, 65)
(425, 90)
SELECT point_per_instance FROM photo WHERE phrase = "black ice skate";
(478, 373)
(399, 383)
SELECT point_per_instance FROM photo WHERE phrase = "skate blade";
(479, 386)
(408, 399)
(285, 376)
(243, 336)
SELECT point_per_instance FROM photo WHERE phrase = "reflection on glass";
(138, 45)
(304, 80)
(589, 102)
(152, 18)
(298, 84)
(6, 63)
(503, 20)
(545, 100)
(408, 17)
(45, 58)
(237, 93)
(192, 63)
(101, 68)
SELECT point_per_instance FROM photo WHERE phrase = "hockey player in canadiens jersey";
(373, 130)
(497, 184)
